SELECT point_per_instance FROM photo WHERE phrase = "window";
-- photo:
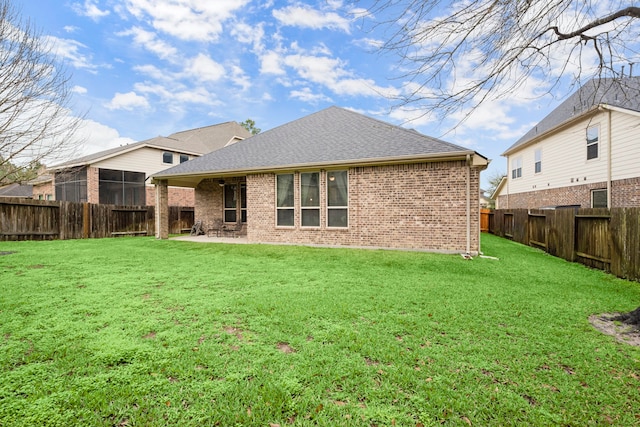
(184, 158)
(337, 199)
(516, 168)
(230, 203)
(284, 200)
(243, 202)
(116, 187)
(310, 199)
(592, 142)
(538, 160)
(599, 198)
(167, 157)
(71, 185)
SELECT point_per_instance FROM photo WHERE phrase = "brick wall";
(624, 193)
(415, 206)
(44, 191)
(178, 196)
(93, 185)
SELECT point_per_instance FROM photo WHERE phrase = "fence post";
(86, 220)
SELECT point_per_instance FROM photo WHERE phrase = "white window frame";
(516, 167)
(591, 142)
(310, 208)
(165, 155)
(234, 200)
(330, 208)
(537, 165)
(292, 207)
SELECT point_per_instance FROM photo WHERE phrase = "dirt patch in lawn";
(605, 323)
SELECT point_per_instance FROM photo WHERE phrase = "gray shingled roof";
(622, 93)
(330, 136)
(193, 141)
(17, 190)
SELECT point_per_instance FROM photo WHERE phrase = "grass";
(139, 332)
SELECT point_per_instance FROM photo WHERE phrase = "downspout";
(468, 169)
(609, 158)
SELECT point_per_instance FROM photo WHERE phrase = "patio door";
(233, 192)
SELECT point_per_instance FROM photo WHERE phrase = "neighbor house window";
(284, 200)
(593, 134)
(230, 203)
(538, 160)
(116, 187)
(167, 157)
(310, 199)
(599, 198)
(337, 199)
(516, 168)
(184, 158)
(71, 185)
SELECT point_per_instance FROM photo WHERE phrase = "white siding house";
(120, 175)
(585, 153)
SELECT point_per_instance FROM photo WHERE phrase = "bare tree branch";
(36, 122)
(455, 56)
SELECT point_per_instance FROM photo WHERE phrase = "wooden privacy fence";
(607, 239)
(26, 219)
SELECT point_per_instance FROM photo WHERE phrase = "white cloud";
(306, 95)
(79, 90)
(240, 78)
(305, 17)
(151, 42)
(249, 34)
(271, 63)
(128, 101)
(186, 19)
(204, 69)
(98, 137)
(90, 9)
(69, 50)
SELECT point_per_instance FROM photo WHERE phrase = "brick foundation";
(625, 193)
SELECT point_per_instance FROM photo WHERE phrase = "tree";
(494, 180)
(250, 125)
(36, 124)
(457, 55)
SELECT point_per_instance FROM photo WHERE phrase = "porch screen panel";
(285, 200)
(117, 187)
(337, 199)
(310, 199)
(71, 185)
(230, 203)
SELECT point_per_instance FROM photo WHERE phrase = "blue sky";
(142, 68)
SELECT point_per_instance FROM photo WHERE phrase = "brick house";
(584, 153)
(120, 175)
(336, 177)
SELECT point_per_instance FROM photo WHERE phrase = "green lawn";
(137, 332)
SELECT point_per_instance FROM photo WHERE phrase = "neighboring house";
(120, 175)
(21, 191)
(336, 177)
(584, 153)
(43, 187)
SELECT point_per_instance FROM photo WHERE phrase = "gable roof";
(330, 137)
(17, 190)
(193, 141)
(622, 93)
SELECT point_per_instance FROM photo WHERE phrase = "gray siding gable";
(622, 93)
(330, 136)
